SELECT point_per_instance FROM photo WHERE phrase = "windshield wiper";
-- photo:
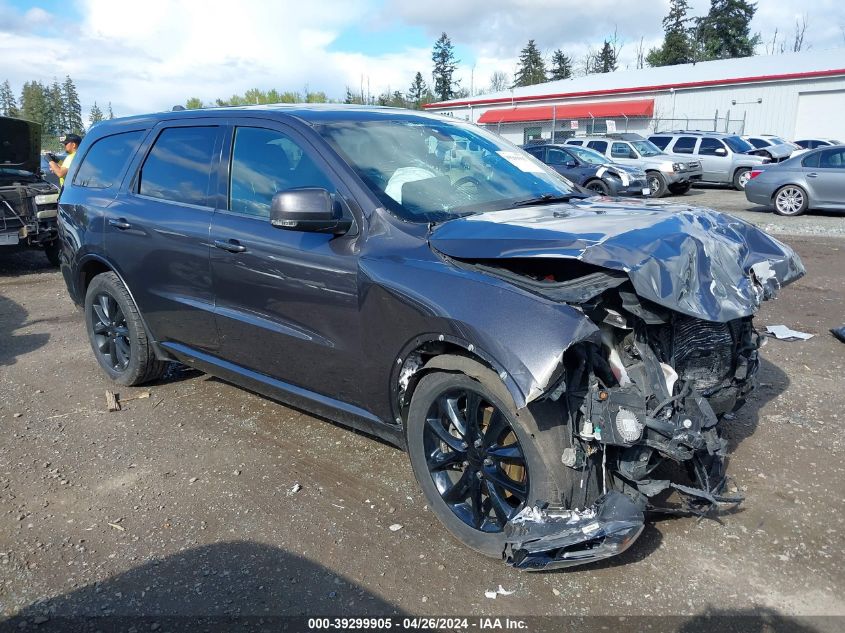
(550, 198)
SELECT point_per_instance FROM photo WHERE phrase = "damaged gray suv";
(554, 365)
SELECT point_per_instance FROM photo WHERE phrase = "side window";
(684, 145)
(536, 152)
(758, 143)
(178, 168)
(265, 162)
(660, 141)
(832, 159)
(620, 150)
(103, 164)
(599, 146)
(709, 146)
(579, 143)
(811, 161)
(558, 157)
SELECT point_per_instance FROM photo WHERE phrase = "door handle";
(120, 223)
(233, 246)
(812, 175)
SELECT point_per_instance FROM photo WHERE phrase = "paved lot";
(184, 502)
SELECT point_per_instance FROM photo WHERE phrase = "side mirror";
(308, 209)
(720, 151)
(570, 164)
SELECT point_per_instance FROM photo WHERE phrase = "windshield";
(739, 145)
(646, 148)
(431, 170)
(587, 155)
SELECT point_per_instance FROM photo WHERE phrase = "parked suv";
(666, 173)
(591, 170)
(725, 158)
(27, 201)
(525, 344)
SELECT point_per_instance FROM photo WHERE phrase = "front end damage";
(645, 404)
(668, 295)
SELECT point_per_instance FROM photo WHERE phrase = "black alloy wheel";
(475, 459)
(111, 333)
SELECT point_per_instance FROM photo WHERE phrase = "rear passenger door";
(287, 301)
(156, 233)
(716, 160)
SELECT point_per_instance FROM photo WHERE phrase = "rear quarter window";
(599, 146)
(103, 164)
(684, 145)
(811, 161)
(660, 141)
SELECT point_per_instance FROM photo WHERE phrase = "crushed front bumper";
(542, 539)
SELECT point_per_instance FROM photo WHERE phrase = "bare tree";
(640, 51)
(800, 30)
(499, 81)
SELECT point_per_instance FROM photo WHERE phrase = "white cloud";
(151, 56)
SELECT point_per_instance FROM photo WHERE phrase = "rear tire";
(117, 333)
(791, 200)
(741, 178)
(657, 184)
(441, 397)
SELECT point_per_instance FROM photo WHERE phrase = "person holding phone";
(71, 143)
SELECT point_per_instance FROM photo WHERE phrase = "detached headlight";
(47, 198)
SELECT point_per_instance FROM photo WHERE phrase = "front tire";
(657, 184)
(598, 186)
(117, 333)
(479, 461)
(791, 200)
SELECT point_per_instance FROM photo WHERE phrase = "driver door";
(286, 301)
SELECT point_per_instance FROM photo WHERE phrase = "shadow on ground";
(237, 585)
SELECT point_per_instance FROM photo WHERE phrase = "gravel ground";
(205, 499)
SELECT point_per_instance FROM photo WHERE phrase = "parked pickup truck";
(28, 203)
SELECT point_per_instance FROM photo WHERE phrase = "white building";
(795, 95)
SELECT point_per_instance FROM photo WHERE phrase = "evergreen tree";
(96, 115)
(417, 91)
(111, 114)
(72, 108)
(8, 103)
(605, 61)
(54, 119)
(445, 64)
(33, 102)
(676, 48)
(351, 97)
(725, 32)
(561, 66)
(531, 69)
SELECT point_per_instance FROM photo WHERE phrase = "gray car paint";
(825, 187)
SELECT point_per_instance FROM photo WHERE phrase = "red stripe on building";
(616, 91)
(598, 110)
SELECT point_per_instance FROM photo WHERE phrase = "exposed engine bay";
(646, 400)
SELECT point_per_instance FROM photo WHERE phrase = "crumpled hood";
(695, 261)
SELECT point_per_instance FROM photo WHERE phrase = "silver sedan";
(815, 180)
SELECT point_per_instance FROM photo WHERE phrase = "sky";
(149, 56)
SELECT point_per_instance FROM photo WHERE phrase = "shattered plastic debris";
(783, 333)
(839, 332)
(497, 592)
(395, 527)
(294, 489)
(552, 538)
